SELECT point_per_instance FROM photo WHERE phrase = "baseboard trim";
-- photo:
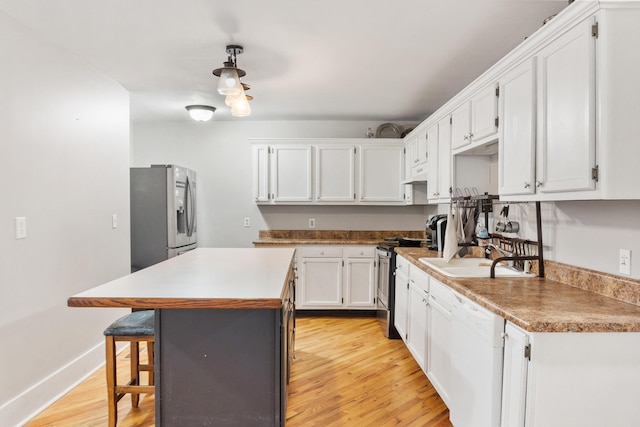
(36, 398)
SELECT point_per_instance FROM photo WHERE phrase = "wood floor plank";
(345, 374)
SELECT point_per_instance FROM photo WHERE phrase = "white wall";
(64, 139)
(588, 234)
(221, 154)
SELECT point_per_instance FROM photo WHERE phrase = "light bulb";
(241, 107)
(229, 83)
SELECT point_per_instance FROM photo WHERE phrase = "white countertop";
(202, 278)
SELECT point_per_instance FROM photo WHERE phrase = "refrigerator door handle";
(190, 210)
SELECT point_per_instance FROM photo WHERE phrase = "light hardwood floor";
(345, 374)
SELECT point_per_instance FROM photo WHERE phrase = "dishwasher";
(476, 364)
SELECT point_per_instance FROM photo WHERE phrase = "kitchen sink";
(471, 267)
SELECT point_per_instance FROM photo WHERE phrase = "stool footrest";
(135, 389)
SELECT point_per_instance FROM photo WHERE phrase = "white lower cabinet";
(336, 277)
(402, 296)
(418, 316)
(514, 376)
(439, 338)
(547, 379)
(570, 379)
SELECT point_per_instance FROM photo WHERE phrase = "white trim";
(39, 396)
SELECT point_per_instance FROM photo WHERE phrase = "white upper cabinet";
(566, 112)
(261, 173)
(416, 155)
(381, 173)
(444, 159)
(547, 104)
(484, 114)
(475, 121)
(291, 173)
(328, 171)
(335, 173)
(517, 133)
(461, 126)
(439, 173)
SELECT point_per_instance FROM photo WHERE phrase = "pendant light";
(230, 84)
(230, 74)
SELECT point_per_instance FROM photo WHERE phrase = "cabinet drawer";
(320, 252)
(441, 293)
(420, 279)
(360, 252)
(402, 265)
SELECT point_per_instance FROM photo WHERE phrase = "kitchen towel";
(450, 248)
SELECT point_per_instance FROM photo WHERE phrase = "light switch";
(114, 221)
(624, 262)
(21, 227)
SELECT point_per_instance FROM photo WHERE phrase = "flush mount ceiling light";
(230, 84)
(201, 113)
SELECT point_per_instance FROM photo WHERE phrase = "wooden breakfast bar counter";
(224, 333)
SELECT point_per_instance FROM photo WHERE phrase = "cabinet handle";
(470, 135)
(466, 137)
(538, 184)
(527, 185)
(321, 252)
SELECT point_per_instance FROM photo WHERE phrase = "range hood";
(419, 178)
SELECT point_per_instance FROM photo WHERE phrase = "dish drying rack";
(521, 249)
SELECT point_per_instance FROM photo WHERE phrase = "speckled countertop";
(330, 237)
(546, 305)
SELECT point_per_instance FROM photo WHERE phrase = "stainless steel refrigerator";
(163, 213)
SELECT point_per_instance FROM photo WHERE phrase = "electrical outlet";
(312, 223)
(624, 262)
(114, 221)
(247, 221)
(21, 227)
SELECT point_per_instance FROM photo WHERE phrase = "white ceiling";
(378, 60)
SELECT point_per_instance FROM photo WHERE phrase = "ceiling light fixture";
(230, 84)
(200, 113)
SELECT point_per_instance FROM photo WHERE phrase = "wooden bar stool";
(135, 328)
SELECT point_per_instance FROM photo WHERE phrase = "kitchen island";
(224, 333)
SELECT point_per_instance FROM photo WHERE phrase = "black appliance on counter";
(386, 281)
(436, 226)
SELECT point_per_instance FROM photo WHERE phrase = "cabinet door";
(514, 377)
(381, 173)
(417, 324)
(412, 150)
(291, 173)
(484, 111)
(444, 159)
(461, 126)
(261, 173)
(335, 173)
(566, 112)
(401, 303)
(422, 147)
(516, 173)
(439, 353)
(321, 283)
(360, 277)
(433, 167)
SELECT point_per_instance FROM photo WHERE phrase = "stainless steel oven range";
(386, 282)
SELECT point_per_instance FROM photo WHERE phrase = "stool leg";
(111, 380)
(135, 371)
(151, 361)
